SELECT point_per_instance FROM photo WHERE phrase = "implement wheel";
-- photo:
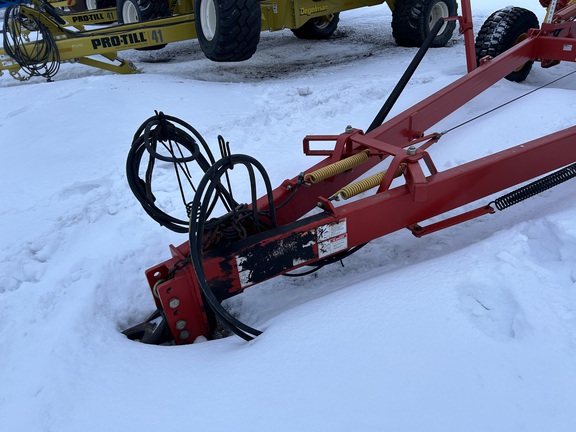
(412, 21)
(131, 11)
(501, 31)
(318, 28)
(228, 30)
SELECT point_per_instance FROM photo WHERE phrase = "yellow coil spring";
(364, 185)
(336, 168)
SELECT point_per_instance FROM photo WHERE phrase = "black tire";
(413, 19)
(79, 6)
(131, 11)
(228, 30)
(318, 28)
(501, 31)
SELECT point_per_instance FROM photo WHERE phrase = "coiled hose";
(37, 55)
(171, 140)
(180, 146)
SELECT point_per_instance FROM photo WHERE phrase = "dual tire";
(229, 30)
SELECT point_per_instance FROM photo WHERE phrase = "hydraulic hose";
(199, 208)
(157, 131)
(389, 104)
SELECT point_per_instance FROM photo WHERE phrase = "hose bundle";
(162, 140)
(29, 42)
(199, 209)
(170, 140)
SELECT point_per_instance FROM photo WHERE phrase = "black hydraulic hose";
(36, 54)
(207, 186)
(164, 130)
(142, 192)
(50, 10)
(326, 261)
(141, 188)
(384, 111)
(387, 107)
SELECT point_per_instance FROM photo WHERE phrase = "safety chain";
(179, 265)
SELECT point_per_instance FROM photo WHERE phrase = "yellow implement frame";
(98, 45)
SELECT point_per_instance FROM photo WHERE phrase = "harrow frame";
(428, 192)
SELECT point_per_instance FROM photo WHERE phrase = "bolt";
(411, 150)
(174, 303)
(319, 204)
(349, 129)
(180, 324)
(185, 334)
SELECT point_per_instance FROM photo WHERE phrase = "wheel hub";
(130, 13)
(439, 10)
(323, 21)
(208, 18)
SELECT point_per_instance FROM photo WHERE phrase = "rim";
(323, 21)
(130, 12)
(439, 10)
(91, 5)
(208, 18)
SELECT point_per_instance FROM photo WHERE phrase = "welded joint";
(416, 182)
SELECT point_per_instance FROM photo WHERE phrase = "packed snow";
(470, 329)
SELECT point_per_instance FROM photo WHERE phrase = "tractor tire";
(131, 11)
(412, 21)
(228, 30)
(501, 31)
(318, 28)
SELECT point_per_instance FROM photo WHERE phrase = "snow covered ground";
(469, 329)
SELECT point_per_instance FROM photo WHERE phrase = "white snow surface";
(472, 328)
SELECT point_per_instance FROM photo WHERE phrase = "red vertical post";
(467, 29)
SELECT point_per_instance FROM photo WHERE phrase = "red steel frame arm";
(412, 123)
(404, 128)
(298, 242)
